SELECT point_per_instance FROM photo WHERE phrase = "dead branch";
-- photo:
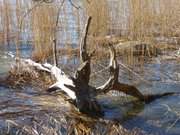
(114, 84)
(61, 78)
(114, 72)
(74, 5)
(83, 42)
(84, 70)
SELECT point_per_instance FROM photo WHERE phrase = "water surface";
(159, 117)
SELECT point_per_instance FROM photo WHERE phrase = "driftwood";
(78, 89)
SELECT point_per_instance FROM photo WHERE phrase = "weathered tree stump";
(78, 89)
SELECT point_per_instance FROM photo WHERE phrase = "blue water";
(159, 117)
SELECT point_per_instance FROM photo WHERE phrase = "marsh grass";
(43, 26)
(55, 116)
(63, 124)
(132, 20)
(6, 21)
(18, 77)
(99, 12)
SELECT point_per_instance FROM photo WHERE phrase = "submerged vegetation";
(51, 31)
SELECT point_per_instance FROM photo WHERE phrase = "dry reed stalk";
(98, 10)
(1, 23)
(43, 25)
(18, 18)
(153, 18)
(6, 20)
(142, 20)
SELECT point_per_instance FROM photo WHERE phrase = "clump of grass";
(20, 75)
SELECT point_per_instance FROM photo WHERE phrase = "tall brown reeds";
(153, 18)
(43, 25)
(98, 10)
(1, 23)
(142, 20)
(6, 20)
(18, 23)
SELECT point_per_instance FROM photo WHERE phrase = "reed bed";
(152, 21)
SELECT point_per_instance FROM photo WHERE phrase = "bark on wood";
(84, 70)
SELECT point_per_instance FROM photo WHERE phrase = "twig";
(173, 111)
(126, 67)
(55, 35)
(74, 5)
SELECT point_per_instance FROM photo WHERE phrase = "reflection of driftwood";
(78, 88)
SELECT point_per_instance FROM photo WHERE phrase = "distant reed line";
(143, 20)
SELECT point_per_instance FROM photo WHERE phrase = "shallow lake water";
(161, 116)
